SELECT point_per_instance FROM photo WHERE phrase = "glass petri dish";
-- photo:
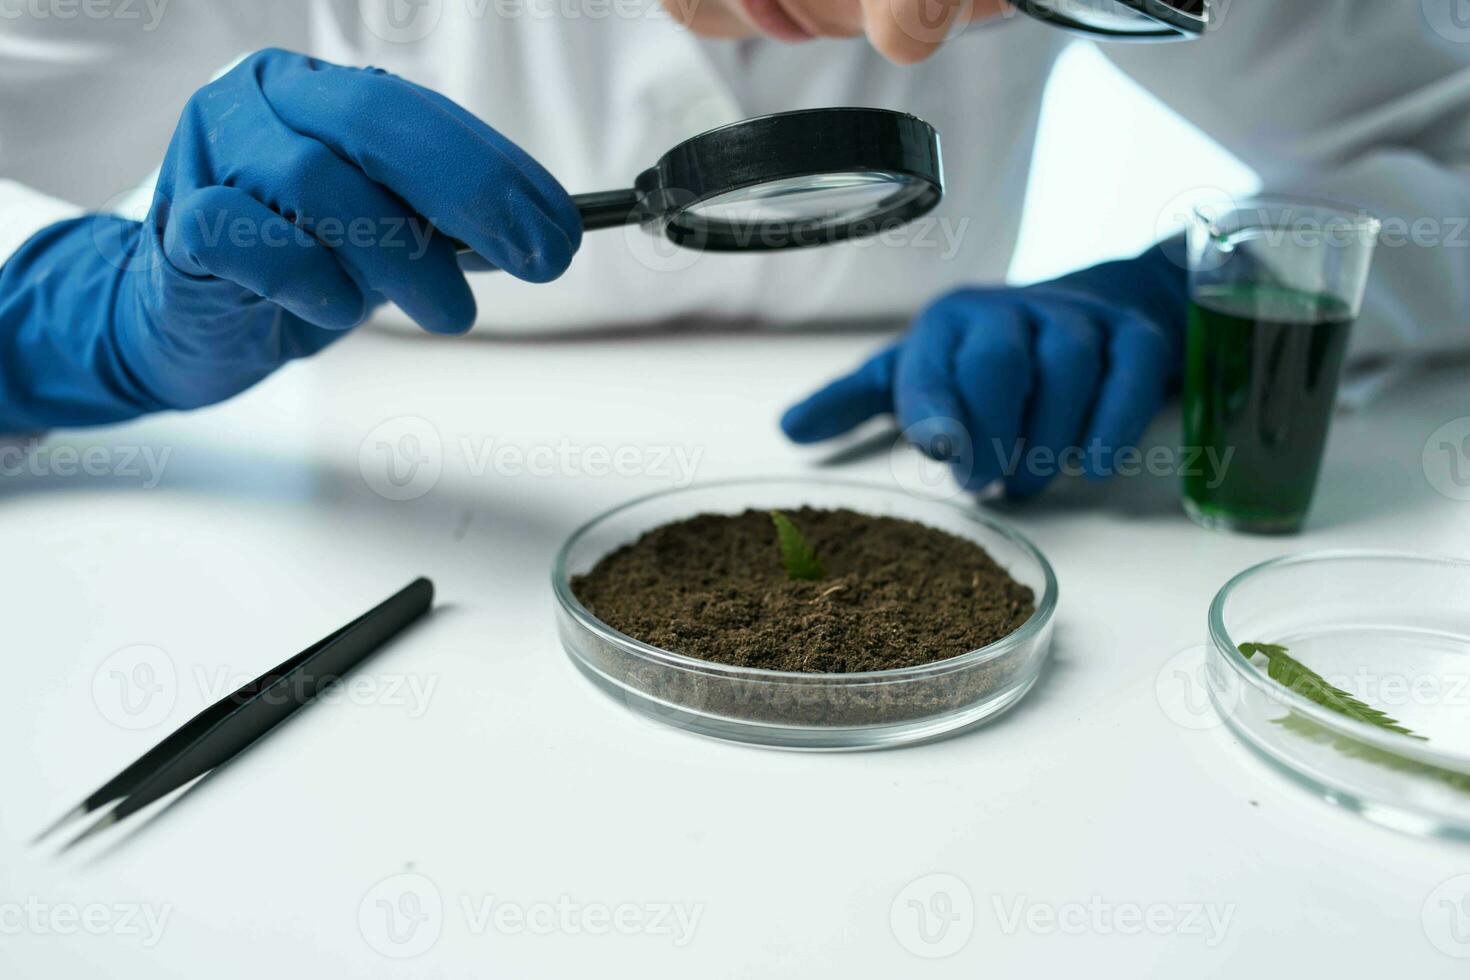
(1391, 628)
(804, 710)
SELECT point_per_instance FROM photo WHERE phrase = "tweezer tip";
(61, 821)
(96, 828)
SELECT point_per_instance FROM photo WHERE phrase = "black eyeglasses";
(1125, 20)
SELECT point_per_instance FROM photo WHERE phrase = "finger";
(772, 19)
(277, 262)
(471, 182)
(925, 400)
(1068, 351)
(474, 262)
(845, 403)
(908, 31)
(993, 371)
(823, 18)
(386, 247)
(1140, 359)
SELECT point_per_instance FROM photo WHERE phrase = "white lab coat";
(1361, 101)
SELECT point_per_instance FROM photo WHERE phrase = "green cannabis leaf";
(802, 563)
(1295, 676)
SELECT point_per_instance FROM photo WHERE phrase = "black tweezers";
(224, 729)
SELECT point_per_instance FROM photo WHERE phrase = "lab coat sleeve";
(25, 211)
(1357, 101)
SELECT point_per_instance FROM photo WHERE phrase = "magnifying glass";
(787, 180)
(1125, 20)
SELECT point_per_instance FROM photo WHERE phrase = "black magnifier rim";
(784, 145)
(1173, 23)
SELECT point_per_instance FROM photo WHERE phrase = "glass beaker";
(1275, 285)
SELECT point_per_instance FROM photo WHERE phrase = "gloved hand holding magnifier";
(298, 196)
(788, 180)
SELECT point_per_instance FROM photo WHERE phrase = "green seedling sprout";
(802, 563)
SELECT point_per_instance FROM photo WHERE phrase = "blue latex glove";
(295, 197)
(1082, 361)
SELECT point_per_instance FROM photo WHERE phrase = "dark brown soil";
(896, 593)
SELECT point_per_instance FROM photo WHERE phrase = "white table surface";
(475, 771)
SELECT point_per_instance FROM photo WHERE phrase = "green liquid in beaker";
(1261, 373)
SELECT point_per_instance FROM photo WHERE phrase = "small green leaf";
(1295, 676)
(802, 563)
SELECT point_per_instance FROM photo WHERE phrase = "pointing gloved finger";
(386, 247)
(470, 181)
(282, 264)
(928, 407)
(1139, 360)
(1068, 350)
(993, 369)
(845, 403)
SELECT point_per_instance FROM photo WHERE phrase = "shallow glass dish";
(804, 710)
(1392, 629)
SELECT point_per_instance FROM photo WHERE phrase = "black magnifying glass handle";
(599, 209)
(607, 209)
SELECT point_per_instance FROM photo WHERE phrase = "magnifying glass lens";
(806, 210)
(1142, 20)
(827, 198)
(1110, 16)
